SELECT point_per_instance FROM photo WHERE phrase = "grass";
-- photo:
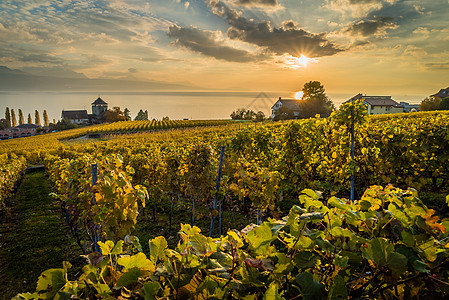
(33, 238)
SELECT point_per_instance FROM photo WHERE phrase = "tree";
(239, 114)
(30, 120)
(166, 118)
(315, 101)
(250, 115)
(127, 115)
(13, 118)
(45, 116)
(260, 116)
(141, 116)
(114, 115)
(8, 117)
(3, 124)
(283, 113)
(37, 119)
(428, 104)
(21, 120)
(444, 104)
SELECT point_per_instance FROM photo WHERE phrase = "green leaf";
(311, 193)
(129, 277)
(51, 281)
(106, 247)
(305, 259)
(420, 266)
(157, 248)
(338, 203)
(150, 290)
(284, 264)
(136, 261)
(397, 263)
(341, 261)
(364, 205)
(260, 238)
(338, 289)
(272, 293)
(408, 238)
(310, 288)
(118, 248)
(398, 214)
(378, 251)
(303, 242)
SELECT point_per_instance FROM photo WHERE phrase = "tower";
(99, 107)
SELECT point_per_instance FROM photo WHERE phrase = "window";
(388, 108)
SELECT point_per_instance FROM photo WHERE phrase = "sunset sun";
(299, 95)
(304, 60)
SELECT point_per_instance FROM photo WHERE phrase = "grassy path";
(33, 237)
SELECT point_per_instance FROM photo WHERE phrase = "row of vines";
(11, 168)
(126, 126)
(324, 248)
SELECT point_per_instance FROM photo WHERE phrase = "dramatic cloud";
(255, 3)
(207, 43)
(287, 39)
(358, 8)
(371, 27)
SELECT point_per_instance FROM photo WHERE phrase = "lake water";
(176, 105)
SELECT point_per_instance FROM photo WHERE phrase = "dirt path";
(33, 237)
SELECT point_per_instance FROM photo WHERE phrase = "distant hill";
(17, 80)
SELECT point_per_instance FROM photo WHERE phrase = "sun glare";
(299, 95)
(299, 62)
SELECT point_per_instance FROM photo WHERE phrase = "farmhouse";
(76, 116)
(443, 93)
(81, 117)
(291, 105)
(377, 105)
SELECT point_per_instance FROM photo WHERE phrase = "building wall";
(97, 109)
(79, 121)
(378, 110)
(275, 108)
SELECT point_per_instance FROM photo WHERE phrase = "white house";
(76, 116)
(377, 105)
(290, 104)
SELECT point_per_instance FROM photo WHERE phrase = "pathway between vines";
(33, 237)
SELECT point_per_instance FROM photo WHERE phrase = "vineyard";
(291, 180)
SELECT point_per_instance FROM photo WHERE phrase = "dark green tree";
(315, 101)
(37, 119)
(30, 120)
(444, 104)
(127, 115)
(8, 117)
(141, 116)
(429, 104)
(13, 118)
(21, 119)
(45, 116)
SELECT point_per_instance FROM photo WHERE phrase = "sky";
(377, 47)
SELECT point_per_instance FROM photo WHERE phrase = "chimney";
(279, 98)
